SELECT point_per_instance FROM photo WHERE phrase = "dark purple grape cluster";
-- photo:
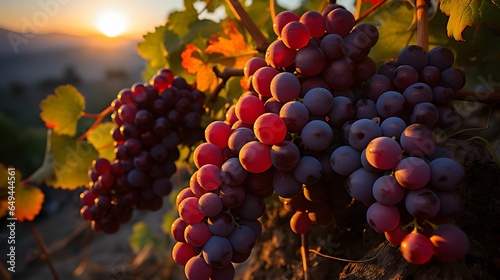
(417, 87)
(304, 131)
(391, 159)
(151, 120)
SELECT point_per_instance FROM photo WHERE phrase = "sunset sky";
(78, 17)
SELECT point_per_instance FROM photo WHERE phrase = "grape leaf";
(63, 110)
(192, 61)
(179, 21)
(71, 161)
(142, 236)
(201, 29)
(102, 140)
(470, 13)
(234, 88)
(394, 23)
(27, 199)
(153, 51)
(231, 44)
(212, 5)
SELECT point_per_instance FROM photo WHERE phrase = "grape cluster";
(151, 120)
(312, 130)
(394, 166)
(417, 87)
(409, 186)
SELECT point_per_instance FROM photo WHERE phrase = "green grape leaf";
(201, 28)
(153, 50)
(27, 201)
(233, 88)
(102, 140)
(470, 13)
(212, 5)
(62, 110)
(71, 161)
(179, 21)
(142, 237)
(394, 23)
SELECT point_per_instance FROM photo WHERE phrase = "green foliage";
(470, 13)
(152, 50)
(24, 147)
(70, 162)
(63, 110)
(233, 89)
(143, 237)
(163, 47)
(102, 140)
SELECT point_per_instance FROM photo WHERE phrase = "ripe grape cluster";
(417, 86)
(320, 126)
(395, 167)
(151, 120)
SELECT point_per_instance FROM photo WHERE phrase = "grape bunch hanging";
(151, 120)
(320, 126)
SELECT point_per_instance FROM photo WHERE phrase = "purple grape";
(422, 203)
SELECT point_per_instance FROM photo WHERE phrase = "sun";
(111, 23)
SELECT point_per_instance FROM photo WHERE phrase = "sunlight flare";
(111, 23)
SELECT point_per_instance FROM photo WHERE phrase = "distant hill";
(46, 56)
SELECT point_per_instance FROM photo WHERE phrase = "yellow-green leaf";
(153, 50)
(62, 110)
(465, 13)
(23, 202)
(142, 237)
(71, 161)
(102, 140)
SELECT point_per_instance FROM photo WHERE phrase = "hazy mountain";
(33, 58)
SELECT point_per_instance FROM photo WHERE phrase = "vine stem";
(369, 11)
(345, 260)
(45, 170)
(304, 251)
(90, 115)
(44, 250)
(227, 73)
(98, 120)
(245, 20)
(491, 98)
(422, 10)
(272, 7)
